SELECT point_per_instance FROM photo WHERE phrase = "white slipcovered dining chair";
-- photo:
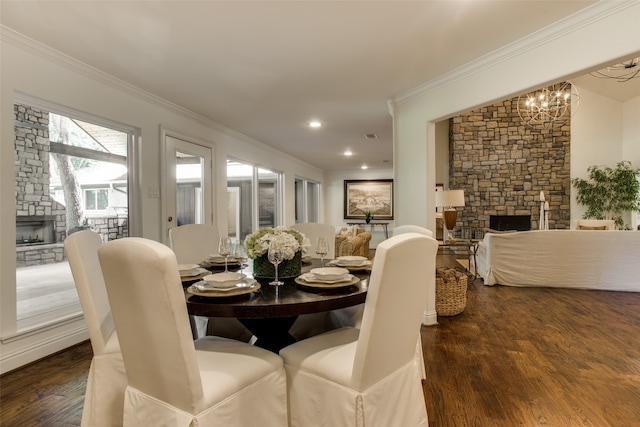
(192, 244)
(107, 380)
(173, 380)
(368, 376)
(313, 230)
(410, 228)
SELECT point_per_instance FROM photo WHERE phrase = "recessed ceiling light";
(348, 153)
(364, 167)
(315, 124)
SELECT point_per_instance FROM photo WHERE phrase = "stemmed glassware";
(276, 256)
(322, 248)
(225, 248)
(241, 255)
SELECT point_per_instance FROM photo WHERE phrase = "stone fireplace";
(40, 220)
(35, 230)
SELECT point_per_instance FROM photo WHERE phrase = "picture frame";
(375, 195)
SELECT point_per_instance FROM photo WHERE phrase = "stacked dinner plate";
(327, 277)
(351, 262)
(224, 284)
(191, 272)
(217, 261)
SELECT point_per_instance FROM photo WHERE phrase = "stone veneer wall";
(32, 190)
(31, 143)
(502, 165)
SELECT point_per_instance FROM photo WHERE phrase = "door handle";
(170, 219)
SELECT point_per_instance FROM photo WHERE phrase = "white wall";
(334, 197)
(596, 138)
(631, 140)
(32, 69)
(601, 34)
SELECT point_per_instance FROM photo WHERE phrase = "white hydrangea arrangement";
(257, 244)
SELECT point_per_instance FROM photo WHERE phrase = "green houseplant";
(609, 192)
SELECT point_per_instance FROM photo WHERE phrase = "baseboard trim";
(429, 318)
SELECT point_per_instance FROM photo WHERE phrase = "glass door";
(188, 183)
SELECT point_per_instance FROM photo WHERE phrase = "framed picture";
(372, 195)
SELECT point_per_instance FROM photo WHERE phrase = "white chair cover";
(107, 380)
(367, 377)
(314, 230)
(172, 380)
(410, 228)
(192, 244)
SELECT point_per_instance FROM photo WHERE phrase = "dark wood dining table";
(270, 311)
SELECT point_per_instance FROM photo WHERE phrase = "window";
(96, 200)
(307, 201)
(250, 209)
(71, 173)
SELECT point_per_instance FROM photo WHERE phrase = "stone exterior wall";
(502, 166)
(31, 130)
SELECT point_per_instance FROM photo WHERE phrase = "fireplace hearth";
(35, 230)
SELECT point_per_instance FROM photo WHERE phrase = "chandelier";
(622, 72)
(548, 107)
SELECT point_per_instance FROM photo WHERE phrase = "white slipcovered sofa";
(581, 259)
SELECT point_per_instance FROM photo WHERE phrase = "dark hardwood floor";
(514, 357)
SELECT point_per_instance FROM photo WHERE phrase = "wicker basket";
(451, 291)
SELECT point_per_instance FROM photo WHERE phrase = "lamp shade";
(449, 198)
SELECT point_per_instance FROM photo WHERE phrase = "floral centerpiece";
(257, 247)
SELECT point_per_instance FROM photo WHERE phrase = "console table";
(373, 224)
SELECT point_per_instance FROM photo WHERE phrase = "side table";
(471, 246)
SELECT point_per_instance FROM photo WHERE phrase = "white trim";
(529, 42)
(72, 64)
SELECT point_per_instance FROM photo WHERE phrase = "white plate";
(196, 273)
(350, 260)
(312, 278)
(187, 267)
(315, 284)
(245, 287)
(362, 265)
(330, 273)
(224, 280)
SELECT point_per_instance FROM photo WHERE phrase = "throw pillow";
(584, 227)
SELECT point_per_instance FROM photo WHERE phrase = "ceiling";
(266, 68)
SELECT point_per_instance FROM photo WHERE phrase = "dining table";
(269, 311)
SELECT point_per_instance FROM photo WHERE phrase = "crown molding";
(559, 29)
(56, 57)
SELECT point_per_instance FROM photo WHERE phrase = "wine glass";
(322, 248)
(225, 249)
(241, 255)
(276, 256)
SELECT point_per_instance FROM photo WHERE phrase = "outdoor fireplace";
(35, 230)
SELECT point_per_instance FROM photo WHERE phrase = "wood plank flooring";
(535, 357)
(514, 357)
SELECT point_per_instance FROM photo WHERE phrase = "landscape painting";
(375, 196)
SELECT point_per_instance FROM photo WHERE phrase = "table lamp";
(449, 200)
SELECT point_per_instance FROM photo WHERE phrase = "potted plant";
(609, 192)
(367, 216)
